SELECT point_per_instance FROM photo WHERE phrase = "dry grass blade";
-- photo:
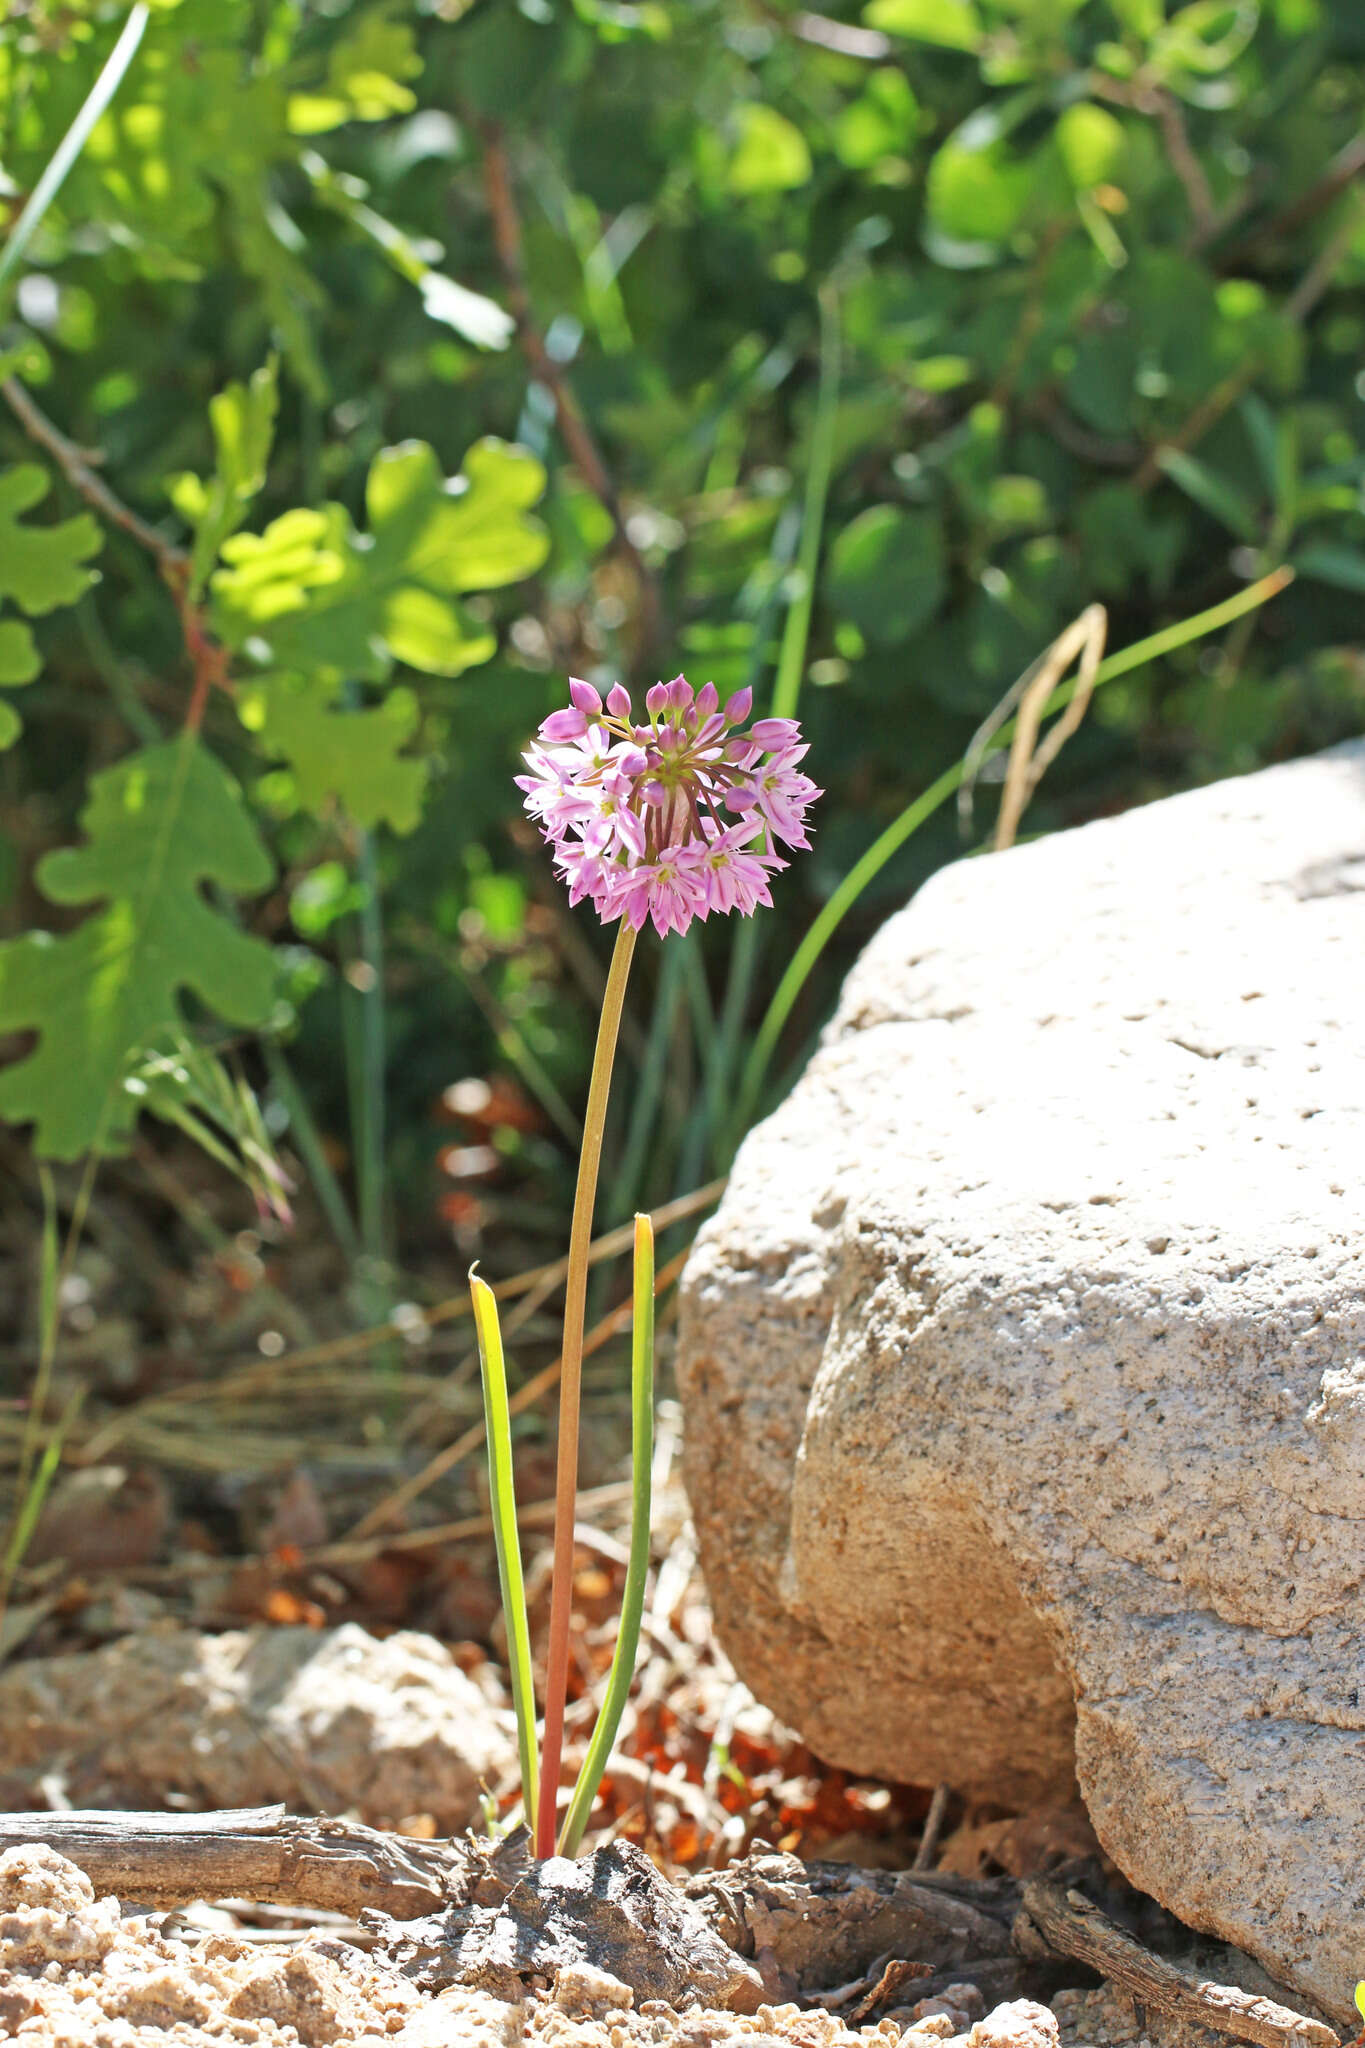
(1028, 761)
(257, 1373)
(525, 1396)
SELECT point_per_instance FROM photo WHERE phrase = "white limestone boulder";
(1024, 1365)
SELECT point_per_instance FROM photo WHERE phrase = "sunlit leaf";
(340, 756)
(243, 421)
(158, 827)
(977, 194)
(952, 24)
(771, 154)
(324, 598)
(1206, 37)
(1091, 144)
(365, 77)
(880, 122)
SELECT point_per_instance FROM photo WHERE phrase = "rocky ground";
(77, 1971)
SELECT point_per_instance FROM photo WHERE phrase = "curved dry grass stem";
(1028, 761)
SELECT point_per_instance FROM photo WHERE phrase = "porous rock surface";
(1023, 1366)
(331, 1719)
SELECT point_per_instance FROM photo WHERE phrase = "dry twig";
(208, 660)
(254, 1852)
(1073, 1926)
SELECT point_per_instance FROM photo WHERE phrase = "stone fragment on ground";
(612, 1914)
(331, 1720)
(1022, 1366)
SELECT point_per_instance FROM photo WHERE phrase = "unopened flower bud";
(564, 725)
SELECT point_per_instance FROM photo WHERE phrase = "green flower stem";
(71, 145)
(637, 1571)
(924, 806)
(307, 1140)
(503, 1500)
(570, 1389)
(374, 1061)
(791, 660)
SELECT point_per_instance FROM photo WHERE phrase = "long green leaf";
(503, 1500)
(637, 1570)
(791, 660)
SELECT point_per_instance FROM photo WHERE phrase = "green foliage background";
(1080, 278)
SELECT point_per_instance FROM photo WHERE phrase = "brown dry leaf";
(1025, 1845)
(104, 1518)
(298, 1518)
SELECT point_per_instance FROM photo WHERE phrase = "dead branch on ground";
(1072, 1925)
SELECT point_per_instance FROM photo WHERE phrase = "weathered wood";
(1073, 1926)
(255, 1852)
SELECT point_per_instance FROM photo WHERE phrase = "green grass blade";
(308, 1142)
(36, 1493)
(791, 660)
(633, 1599)
(503, 1500)
(71, 145)
(640, 1140)
(894, 837)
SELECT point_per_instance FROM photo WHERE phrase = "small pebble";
(1019, 2023)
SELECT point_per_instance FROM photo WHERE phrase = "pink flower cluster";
(672, 818)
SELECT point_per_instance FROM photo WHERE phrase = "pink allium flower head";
(642, 818)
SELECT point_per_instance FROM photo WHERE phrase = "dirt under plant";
(80, 1971)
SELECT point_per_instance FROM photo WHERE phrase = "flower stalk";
(570, 1391)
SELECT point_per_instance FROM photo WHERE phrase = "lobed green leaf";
(159, 826)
